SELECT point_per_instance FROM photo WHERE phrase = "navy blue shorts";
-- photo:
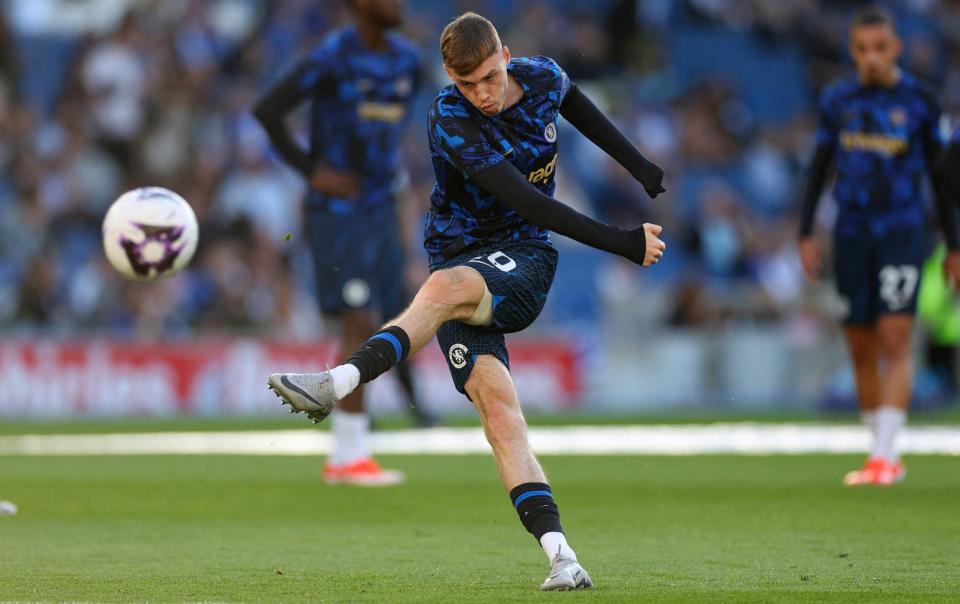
(519, 276)
(878, 275)
(358, 261)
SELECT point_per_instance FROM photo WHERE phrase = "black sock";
(538, 512)
(382, 351)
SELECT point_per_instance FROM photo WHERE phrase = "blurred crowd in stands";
(99, 96)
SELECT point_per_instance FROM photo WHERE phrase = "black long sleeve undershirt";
(946, 188)
(816, 179)
(272, 110)
(948, 173)
(511, 188)
(592, 123)
(945, 197)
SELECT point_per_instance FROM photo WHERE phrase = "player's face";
(383, 13)
(875, 50)
(486, 86)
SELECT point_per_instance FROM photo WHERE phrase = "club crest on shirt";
(550, 133)
(898, 116)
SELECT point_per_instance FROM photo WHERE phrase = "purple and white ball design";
(149, 233)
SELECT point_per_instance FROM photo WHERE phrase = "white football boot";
(566, 574)
(310, 393)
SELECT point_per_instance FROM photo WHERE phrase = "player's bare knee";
(453, 292)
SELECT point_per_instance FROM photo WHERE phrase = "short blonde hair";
(468, 41)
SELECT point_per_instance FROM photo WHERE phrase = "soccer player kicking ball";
(880, 129)
(359, 83)
(493, 141)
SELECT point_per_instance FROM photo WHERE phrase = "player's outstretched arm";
(592, 123)
(503, 180)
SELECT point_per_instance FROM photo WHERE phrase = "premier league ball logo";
(157, 252)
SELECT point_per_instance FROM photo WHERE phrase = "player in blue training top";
(880, 130)
(493, 139)
(359, 83)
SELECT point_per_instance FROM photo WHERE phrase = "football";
(149, 233)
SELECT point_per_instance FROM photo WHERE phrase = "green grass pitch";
(266, 529)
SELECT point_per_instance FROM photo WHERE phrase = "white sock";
(351, 437)
(346, 378)
(555, 543)
(889, 421)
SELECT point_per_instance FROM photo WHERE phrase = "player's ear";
(449, 72)
(506, 53)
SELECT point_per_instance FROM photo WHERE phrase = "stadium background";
(95, 99)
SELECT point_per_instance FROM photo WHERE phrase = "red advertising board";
(49, 378)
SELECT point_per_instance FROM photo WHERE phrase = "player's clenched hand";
(335, 183)
(951, 269)
(810, 258)
(655, 247)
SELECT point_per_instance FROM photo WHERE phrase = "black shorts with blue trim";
(878, 274)
(356, 259)
(518, 275)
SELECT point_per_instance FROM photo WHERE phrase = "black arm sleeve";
(510, 187)
(948, 173)
(816, 179)
(592, 123)
(272, 110)
(944, 187)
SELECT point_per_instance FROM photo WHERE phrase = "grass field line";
(719, 438)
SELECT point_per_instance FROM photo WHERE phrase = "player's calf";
(448, 294)
(316, 393)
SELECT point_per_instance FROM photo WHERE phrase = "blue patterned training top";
(361, 100)
(464, 142)
(885, 139)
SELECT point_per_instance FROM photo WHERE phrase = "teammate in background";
(493, 142)
(359, 83)
(880, 130)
